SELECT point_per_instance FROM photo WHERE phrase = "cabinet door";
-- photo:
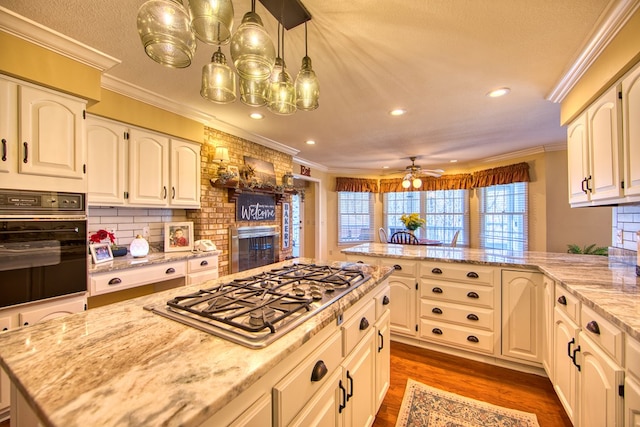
(5, 393)
(600, 379)
(51, 134)
(8, 126)
(577, 153)
(564, 371)
(403, 305)
(383, 358)
(185, 174)
(604, 146)
(322, 409)
(148, 169)
(256, 414)
(631, 132)
(548, 301)
(359, 381)
(106, 166)
(41, 314)
(631, 403)
(522, 315)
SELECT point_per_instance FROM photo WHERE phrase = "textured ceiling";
(435, 58)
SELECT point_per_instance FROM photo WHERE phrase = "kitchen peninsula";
(123, 365)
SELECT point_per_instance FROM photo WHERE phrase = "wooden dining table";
(429, 242)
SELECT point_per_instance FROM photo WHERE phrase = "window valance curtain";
(429, 183)
(502, 175)
(359, 185)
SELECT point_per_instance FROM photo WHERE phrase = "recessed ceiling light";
(256, 116)
(385, 167)
(398, 112)
(453, 161)
(310, 142)
(499, 92)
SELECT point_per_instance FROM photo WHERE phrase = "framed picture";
(233, 170)
(263, 171)
(101, 252)
(178, 236)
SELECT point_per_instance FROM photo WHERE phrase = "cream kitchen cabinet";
(199, 270)
(403, 295)
(632, 384)
(383, 344)
(6, 323)
(594, 152)
(117, 280)
(631, 133)
(43, 146)
(131, 166)
(565, 375)
(548, 302)
(522, 315)
(106, 153)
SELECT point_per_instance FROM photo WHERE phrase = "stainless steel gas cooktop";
(257, 310)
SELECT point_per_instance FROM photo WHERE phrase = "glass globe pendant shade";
(212, 20)
(417, 183)
(253, 92)
(163, 26)
(252, 50)
(282, 95)
(307, 87)
(218, 80)
(406, 183)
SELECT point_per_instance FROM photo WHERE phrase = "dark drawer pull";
(472, 317)
(573, 358)
(319, 371)
(473, 338)
(436, 290)
(170, 270)
(5, 329)
(472, 275)
(115, 281)
(436, 310)
(26, 153)
(204, 263)
(4, 150)
(562, 300)
(397, 267)
(364, 323)
(381, 346)
(473, 295)
(569, 344)
(343, 392)
(385, 300)
(436, 271)
(593, 327)
(437, 331)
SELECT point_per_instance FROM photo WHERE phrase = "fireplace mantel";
(235, 188)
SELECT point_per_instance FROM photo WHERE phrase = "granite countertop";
(608, 285)
(123, 365)
(128, 261)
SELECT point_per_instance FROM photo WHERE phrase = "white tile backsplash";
(627, 219)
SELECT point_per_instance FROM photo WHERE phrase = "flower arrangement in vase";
(101, 235)
(412, 221)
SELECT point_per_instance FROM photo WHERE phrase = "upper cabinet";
(603, 147)
(131, 166)
(42, 136)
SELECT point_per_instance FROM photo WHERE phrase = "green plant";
(588, 250)
(413, 221)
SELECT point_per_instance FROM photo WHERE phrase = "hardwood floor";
(492, 384)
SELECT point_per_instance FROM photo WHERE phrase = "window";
(355, 217)
(503, 217)
(446, 211)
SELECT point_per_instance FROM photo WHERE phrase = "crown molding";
(31, 31)
(616, 16)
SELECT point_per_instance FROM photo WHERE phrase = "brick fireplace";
(217, 214)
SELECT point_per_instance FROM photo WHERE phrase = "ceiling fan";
(413, 173)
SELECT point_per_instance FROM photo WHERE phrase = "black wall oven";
(43, 245)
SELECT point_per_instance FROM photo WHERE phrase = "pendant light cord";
(305, 39)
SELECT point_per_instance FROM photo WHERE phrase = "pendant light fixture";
(165, 32)
(281, 93)
(212, 20)
(307, 85)
(218, 80)
(252, 50)
(253, 92)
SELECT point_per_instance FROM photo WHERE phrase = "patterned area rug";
(426, 406)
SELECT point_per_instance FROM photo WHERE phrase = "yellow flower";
(412, 221)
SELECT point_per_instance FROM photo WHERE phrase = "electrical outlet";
(145, 232)
(619, 236)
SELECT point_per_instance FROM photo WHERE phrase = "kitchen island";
(123, 365)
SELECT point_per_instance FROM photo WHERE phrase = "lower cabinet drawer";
(474, 317)
(478, 295)
(112, 281)
(603, 333)
(356, 326)
(457, 336)
(203, 276)
(202, 264)
(293, 392)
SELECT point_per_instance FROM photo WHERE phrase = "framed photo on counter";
(178, 236)
(101, 252)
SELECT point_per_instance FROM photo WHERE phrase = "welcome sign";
(255, 207)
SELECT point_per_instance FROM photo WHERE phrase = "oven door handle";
(57, 230)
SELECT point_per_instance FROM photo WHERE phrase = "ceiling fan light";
(252, 50)
(417, 182)
(163, 26)
(307, 87)
(406, 183)
(218, 80)
(212, 20)
(253, 92)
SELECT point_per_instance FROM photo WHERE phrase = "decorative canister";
(139, 247)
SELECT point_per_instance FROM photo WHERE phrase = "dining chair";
(454, 241)
(404, 237)
(382, 233)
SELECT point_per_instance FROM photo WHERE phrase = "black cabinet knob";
(436, 290)
(115, 281)
(385, 300)
(473, 338)
(170, 270)
(437, 331)
(593, 327)
(436, 310)
(364, 323)
(472, 275)
(473, 295)
(436, 271)
(562, 300)
(319, 371)
(204, 263)
(473, 317)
